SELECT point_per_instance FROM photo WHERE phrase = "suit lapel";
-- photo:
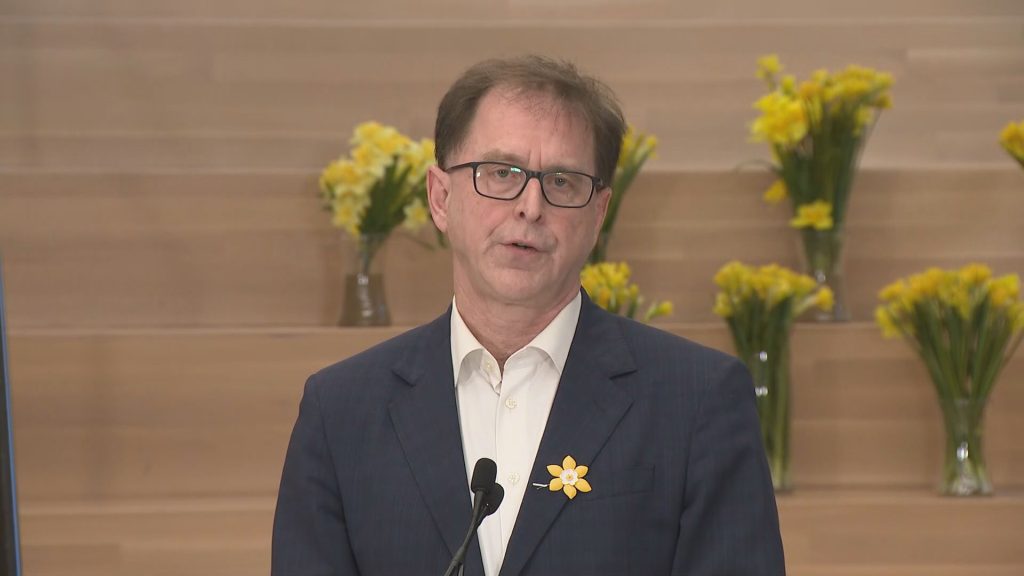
(587, 408)
(426, 419)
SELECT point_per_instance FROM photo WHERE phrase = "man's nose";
(530, 204)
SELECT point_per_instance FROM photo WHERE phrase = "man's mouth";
(521, 245)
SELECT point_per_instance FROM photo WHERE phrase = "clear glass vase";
(769, 367)
(964, 472)
(365, 302)
(822, 259)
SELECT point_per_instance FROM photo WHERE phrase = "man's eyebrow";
(497, 155)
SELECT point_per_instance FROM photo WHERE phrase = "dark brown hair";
(592, 99)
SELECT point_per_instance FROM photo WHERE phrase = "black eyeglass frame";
(597, 183)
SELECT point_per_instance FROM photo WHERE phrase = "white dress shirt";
(502, 416)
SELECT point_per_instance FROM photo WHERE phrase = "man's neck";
(501, 328)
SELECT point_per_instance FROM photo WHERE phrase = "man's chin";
(531, 291)
(521, 288)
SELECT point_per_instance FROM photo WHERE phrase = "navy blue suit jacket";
(374, 481)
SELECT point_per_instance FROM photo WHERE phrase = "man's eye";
(502, 172)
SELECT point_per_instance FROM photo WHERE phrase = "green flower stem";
(823, 249)
(762, 340)
(368, 246)
(623, 180)
(964, 358)
(965, 472)
(600, 251)
(823, 254)
(777, 411)
(364, 301)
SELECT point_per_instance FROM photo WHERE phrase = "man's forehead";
(538, 104)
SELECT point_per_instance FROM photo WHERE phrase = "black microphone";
(484, 473)
(491, 501)
(487, 496)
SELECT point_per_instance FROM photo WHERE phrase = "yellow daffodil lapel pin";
(568, 478)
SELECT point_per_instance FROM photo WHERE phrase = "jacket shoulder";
(373, 370)
(649, 344)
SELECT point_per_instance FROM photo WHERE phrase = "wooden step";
(900, 532)
(972, 568)
(691, 82)
(216, 537)
(199, 249)
(835, 533)
(318, 11)
(197, 413)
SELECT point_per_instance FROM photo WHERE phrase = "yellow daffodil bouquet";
(608, 285)
(816, 130)
(1012, 139)
(637, 149)
(759, 305)
(964, 325)
(381, 183)
(378, 186)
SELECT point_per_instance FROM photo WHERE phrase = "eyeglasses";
(502, 181)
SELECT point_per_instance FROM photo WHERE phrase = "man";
(622, 449)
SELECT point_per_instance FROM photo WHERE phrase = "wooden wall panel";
(254, 249)
(157, 171)
(190, 413)
(263, 85)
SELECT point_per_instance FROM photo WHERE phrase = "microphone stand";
(485, 502)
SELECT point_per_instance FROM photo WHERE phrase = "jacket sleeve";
(310, 537)
(729, 524)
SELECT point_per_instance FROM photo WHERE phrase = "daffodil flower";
(568, 478)
(1012, 139)
(608, 285)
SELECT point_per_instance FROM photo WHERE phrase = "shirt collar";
(555, 340)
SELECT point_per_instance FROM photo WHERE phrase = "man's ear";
(602, 197)
(438, 190)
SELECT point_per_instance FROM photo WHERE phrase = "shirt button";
(513, 478)
(511, 403)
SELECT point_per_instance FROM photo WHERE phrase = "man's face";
(522, 251)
